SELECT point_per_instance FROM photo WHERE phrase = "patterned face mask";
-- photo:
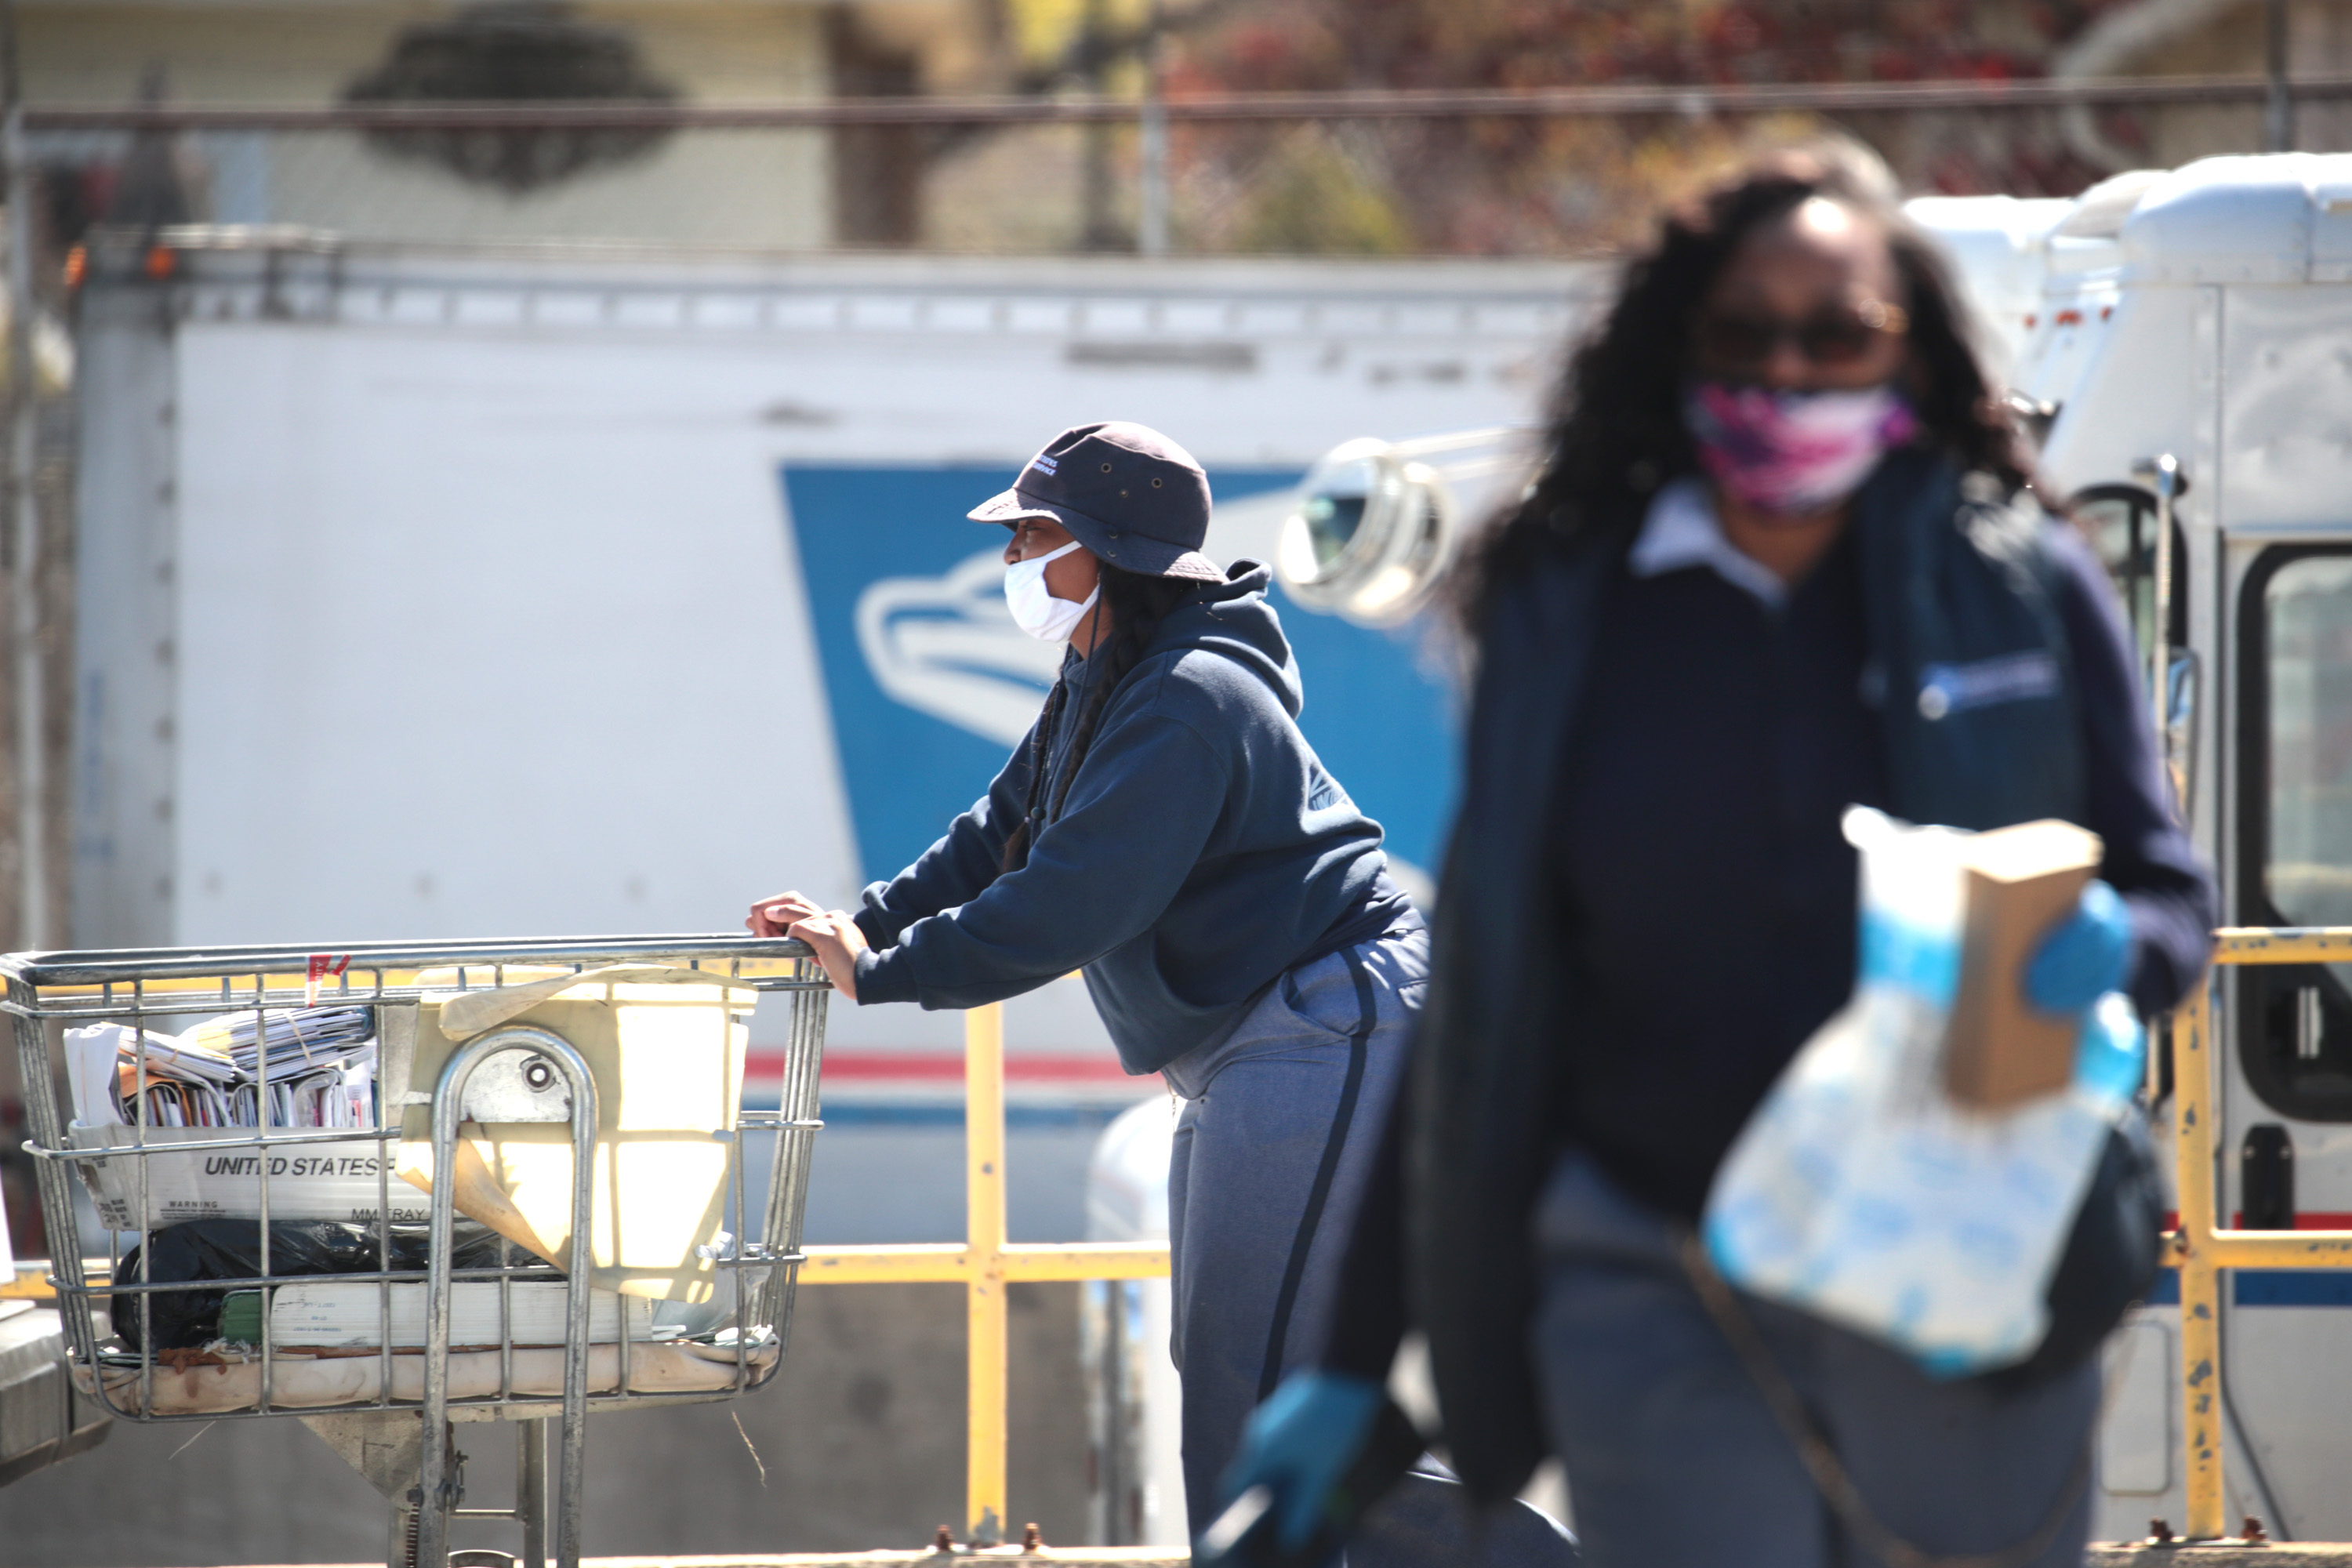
(1791, 453)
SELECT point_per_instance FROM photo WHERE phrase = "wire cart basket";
(286, 1142)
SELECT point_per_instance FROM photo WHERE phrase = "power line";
(1368, 103)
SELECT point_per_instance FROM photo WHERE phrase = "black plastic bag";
(2110, 1263)
(231, 1249)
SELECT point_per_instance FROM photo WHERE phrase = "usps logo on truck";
(931, 684)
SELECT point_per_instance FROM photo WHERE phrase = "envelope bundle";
(320, 1068)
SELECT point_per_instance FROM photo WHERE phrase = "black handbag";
(2111, 1258)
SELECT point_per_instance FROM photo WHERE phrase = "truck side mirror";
(2179, 740)
(2132, 528)
(1371, 533)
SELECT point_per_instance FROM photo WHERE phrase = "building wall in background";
(756, 188)
(861, 1434)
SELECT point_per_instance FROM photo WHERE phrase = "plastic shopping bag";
(1860, 1192)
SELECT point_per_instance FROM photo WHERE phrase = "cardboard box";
(1999, 1051)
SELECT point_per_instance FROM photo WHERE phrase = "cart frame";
(44, 991)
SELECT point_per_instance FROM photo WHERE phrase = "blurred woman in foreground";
(1779, 515)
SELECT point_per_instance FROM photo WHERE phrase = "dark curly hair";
(1615, 430)
(1136, 604)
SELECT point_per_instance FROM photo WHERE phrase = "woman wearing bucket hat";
(1167, 830)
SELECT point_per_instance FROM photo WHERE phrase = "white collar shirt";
(1681, 530)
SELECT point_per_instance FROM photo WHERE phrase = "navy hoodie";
(1201, 851)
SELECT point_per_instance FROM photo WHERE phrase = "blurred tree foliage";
(1311, 199)
(1520, 187)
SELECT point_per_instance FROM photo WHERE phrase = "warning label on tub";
(337, 1181)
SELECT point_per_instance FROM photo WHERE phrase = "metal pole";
(1151, 228)
(2200, 1289)
(23, 513)
(436, 1485)
(53, 1185)
(2163, 473)
(1098, 231)
(2278, 109)
(530, 1489)
(983, 1132)
(1966, 96)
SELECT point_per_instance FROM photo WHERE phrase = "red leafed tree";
(1528, 186)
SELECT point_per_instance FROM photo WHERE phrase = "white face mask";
(1035, 608)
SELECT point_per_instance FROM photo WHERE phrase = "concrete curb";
(1012, 1556)
(2223, 1554)
(2132, 1554)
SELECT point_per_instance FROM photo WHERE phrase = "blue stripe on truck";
(2268, 1288)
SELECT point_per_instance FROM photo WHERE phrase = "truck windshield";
(2307, 619)
(2296, 823)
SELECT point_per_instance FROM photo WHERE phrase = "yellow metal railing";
(984, 1266)
(986, 1262)
(2199, 1248)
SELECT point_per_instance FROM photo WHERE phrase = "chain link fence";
(1547, 172)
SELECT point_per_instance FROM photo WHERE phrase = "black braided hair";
(1041, 742)
(1136, 604)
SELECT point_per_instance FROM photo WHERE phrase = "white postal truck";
(447, 592)
(436, 591)
(2203, 319)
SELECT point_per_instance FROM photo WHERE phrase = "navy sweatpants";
(1272, 1152)
(1675, 1460)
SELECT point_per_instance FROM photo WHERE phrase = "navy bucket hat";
(1128, 493)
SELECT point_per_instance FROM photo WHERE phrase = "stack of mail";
(321, 1067)
(180, 1084)
(299, 1037)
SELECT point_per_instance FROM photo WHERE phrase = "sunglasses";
(1833, 337)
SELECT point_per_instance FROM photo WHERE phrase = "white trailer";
(432, 592)
(428, 592)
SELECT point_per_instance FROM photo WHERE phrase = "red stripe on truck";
(945, 1068)
(2304, 1219)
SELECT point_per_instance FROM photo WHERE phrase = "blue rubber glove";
(1299, 1443)
(2084, 958)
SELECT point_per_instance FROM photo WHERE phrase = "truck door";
(2139, 1436)
(2283, 836)
(2284, 1138)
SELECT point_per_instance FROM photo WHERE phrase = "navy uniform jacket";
(2002, 689)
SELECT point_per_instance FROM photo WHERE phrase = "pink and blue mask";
(1793, 453)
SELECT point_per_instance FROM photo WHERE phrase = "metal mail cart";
(389, 1412)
